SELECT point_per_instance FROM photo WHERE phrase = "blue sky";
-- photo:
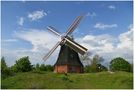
(24, 25)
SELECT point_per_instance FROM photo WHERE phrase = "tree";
(49, 68)
(5, 70)
(3, 65)
(43, 67)
(37, 67)
(85, 58)
(101, 68)
(88, 69)
(120, 64)
(95, 62)
(22, 65)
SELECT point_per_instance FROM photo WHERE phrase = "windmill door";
(72, 69)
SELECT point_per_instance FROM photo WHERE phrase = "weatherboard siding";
(61, 69)
(68, 69)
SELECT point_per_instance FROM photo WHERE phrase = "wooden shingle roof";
(68, 56)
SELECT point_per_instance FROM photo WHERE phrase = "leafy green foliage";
(49, 68)
(95, 65)
(5, 70)
(97, 59)
(37, 67)
(90, 69)
(120, 64)
(43, 67)
(3, 65)
(101, 68)
(22, 65)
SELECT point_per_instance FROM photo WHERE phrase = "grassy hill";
(103, 80)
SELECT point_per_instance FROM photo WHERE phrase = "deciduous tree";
(22, 65)
(120, 64)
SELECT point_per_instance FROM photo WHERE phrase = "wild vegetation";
(120, 64)
(24, 75)
(95, 64)
(49, 80)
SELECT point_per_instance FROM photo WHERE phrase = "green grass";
(43, 80)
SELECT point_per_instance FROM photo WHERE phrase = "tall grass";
(44, 80)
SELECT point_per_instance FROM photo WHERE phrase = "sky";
(106, 28)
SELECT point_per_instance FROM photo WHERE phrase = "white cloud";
(104, 26)
(38, 38)
(97, 43)
(112, 7)
(41, 41)
(110, 47)
(21, 21)
(10, 40)
(93, 14)
(126, 40)
(36, 15)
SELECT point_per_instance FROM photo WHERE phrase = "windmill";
(68, 59)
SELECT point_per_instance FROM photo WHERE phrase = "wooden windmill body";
(68, 60)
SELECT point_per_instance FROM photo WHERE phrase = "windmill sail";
(75, 46)
(74, 25)
(53, 30)
(51, 51)
(65, 39)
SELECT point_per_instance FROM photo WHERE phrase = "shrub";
(22, 65)
(42, 67)
(49, 68)
(101, 68)
(119, 64)
(37, 67)
(88, 69)
(97, 68)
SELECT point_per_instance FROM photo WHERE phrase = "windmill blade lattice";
(75, 46)
(51, 51)
(65, 39)
(74, 25)
(53, 30)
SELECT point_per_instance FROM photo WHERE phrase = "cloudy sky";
(106, 28)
